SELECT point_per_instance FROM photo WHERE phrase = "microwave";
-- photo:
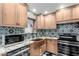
(10, 39)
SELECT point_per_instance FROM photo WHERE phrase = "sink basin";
(38, 39)
(37, 43)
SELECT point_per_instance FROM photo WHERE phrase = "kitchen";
(39, 29)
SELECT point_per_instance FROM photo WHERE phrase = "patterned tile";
(5, 30)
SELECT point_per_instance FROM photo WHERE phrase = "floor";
(48, 54)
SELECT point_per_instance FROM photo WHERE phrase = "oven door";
(68, 38)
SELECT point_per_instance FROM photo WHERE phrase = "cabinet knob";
(17, 24)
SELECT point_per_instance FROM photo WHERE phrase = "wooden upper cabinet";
(50, 21)
(9, 14)
(0, 14)
(21, 15)
(35, 24)
(13, 15)
(75, 12)
(64, 14)
(38, 18)
(40, 22)
(59, 15)
(46, 22)
(67, 14)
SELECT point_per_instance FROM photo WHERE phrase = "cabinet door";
(35, 24)
(43, 48)
(52, 46)
(21, 15)
(75, 12)
(55, 45)
(34, 51)
(53, 22)
(1, 13)
(40, 22)
(59, 15)
(9, 14)
(67, 14)
(50, 21)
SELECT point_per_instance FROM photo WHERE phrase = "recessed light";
(62, 6)
(45, 12)
(34, 10)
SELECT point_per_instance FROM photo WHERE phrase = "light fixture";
(62, 6)
(34, 10)
(45, 12)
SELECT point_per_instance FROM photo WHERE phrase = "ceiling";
(49, 7)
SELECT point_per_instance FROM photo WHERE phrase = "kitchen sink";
(37, 43)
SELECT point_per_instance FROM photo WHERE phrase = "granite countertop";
(45, 38)
(14, 46)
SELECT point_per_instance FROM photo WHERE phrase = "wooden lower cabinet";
(38, 48)
(43, 48)
(34, 51)
(52, 46)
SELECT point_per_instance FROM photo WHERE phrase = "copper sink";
(37, 42)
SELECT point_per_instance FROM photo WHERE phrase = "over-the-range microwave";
(10, 39)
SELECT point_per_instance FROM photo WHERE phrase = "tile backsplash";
(10, 30)
(46, 32)
(68, 28)
(61, 28)
(72, 28)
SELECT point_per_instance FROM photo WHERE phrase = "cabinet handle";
(17, 24)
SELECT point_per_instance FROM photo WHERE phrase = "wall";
(46, 32)
(29, 28)
(31, 15)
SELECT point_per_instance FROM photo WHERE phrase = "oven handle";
(66, 37)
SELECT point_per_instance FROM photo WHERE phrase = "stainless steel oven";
(22, 51)
(68, 45)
